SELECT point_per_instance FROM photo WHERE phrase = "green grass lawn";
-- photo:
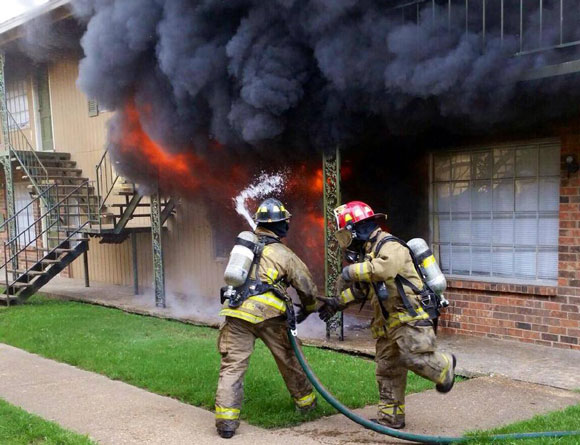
(17, 427)
(179, 360)
(566, 420)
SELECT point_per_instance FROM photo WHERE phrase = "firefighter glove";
(348, 273)
(301, 313)
(330, 306)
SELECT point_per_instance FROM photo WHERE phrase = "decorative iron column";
(158, 266)
(332, 253)
(6, 162)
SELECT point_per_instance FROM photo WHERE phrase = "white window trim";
(432, 216)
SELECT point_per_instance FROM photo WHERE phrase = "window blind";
(495, 211)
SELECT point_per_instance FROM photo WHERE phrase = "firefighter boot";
(391, 415)
(393, 423)
(306, 404)
(225, 433)
(449, 379)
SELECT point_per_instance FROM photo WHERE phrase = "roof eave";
(16, 22)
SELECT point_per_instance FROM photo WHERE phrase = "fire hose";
(396, 433)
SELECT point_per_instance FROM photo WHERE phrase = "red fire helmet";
(353, 212)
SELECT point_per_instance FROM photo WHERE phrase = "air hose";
(401, 434)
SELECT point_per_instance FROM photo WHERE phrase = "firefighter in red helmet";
(383, 271)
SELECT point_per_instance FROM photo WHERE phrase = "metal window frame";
(434, 216)
(17, 102)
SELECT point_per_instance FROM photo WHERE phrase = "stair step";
(82, 205)
(47, 154)
(54, 238)
(4, 297)
(19, 284)
(47, 162)
(62, 250)
(141, 204)
(50, 249)
(50, 170)
(70, 195)
(53, 178)
(67, 186)
(46, 261)
(30, 272)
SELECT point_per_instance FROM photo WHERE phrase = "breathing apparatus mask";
(353, 238)
(280, 228)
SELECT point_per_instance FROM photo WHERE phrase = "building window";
(17, 103)
(495, 212)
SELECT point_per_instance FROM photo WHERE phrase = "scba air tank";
(433, 275)
(241, 258)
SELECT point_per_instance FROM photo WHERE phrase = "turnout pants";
(236, 344)
(407, 346)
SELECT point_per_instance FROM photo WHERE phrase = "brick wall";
(543, 315)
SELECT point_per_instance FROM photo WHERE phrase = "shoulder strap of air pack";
(399, 280)
(386, 239)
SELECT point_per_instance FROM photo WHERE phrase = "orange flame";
(186, 173)
(175, 171)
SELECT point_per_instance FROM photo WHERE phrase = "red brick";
(481, 328)
(570, 308)
(557, 330)
(552, 306)
(574, 300)
(498, 330)
(551, 321)
(571, 340)
(531, 335)
(569, 323)
(549, 337)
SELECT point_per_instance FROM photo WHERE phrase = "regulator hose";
(401, 434)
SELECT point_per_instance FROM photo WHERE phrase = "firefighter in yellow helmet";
(384, 272)
(263, 315)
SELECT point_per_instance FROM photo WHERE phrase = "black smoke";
(312, 73)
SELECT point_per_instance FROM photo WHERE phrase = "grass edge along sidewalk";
(564, 420)
(178, 360)
(19, 427)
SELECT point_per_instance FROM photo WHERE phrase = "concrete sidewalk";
(477, 404)
(477, 356)
(112, 412)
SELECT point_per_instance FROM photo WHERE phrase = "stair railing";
(107, 178)
(54, 222)
(531, 34)
(20, 149)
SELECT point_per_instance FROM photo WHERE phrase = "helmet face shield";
(344, 238)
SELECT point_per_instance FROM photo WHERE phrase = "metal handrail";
(18, 143)
(14, 217)
(53, 216)
(107, 178)
(417, 10)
